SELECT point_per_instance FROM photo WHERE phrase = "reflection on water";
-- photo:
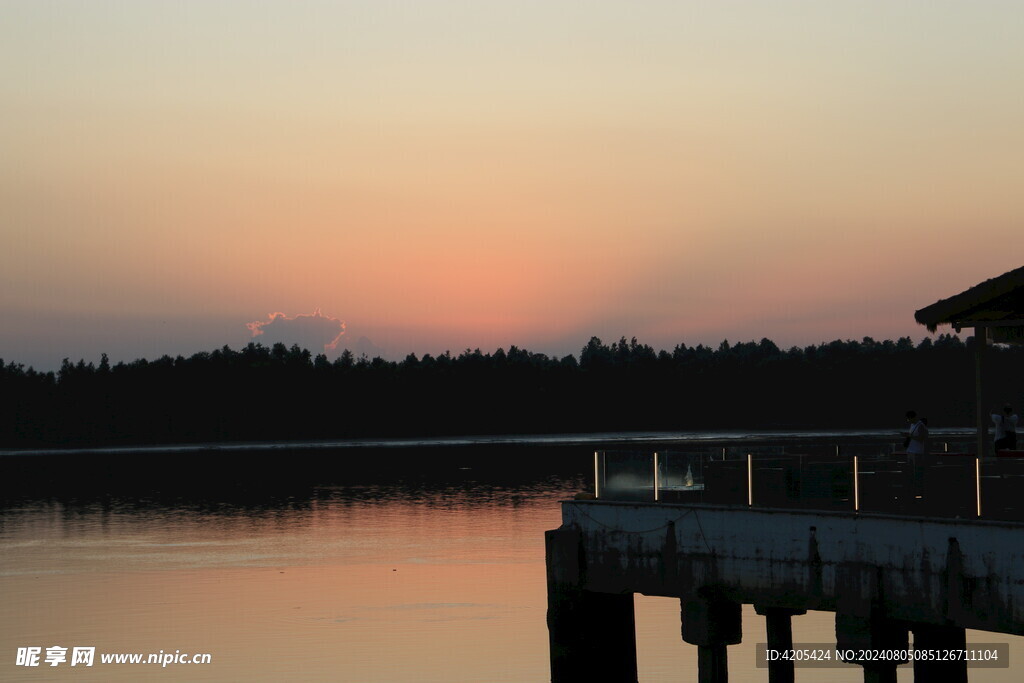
(411, 567)
(421, 568)
(335, 525)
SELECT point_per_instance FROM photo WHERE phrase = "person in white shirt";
(916, 442)
(1006, 429)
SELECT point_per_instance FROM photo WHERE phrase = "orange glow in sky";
(457, 175)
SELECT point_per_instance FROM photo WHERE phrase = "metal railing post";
(977, 483)
(856, 486)
(655, 476)
(750, 480)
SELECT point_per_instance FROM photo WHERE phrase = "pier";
(894, 548)
(894, 544)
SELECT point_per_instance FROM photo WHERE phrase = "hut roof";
(995, 302)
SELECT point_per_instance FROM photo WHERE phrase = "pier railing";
(949, 483)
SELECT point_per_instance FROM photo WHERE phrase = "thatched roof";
(995, 302)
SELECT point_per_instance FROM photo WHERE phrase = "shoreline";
(692, 438)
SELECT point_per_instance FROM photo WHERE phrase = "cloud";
(305, 329)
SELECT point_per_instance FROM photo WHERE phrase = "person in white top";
(916, 442)
(1006, 429)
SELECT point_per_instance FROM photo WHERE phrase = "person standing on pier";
(916, 445)
(916, 442)
(1006, 429)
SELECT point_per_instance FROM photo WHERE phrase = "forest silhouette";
(262, 393)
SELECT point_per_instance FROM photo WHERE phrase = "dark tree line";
(281, 393)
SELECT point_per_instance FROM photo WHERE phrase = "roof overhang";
(995, 303)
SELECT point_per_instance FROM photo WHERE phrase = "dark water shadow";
(289, 479)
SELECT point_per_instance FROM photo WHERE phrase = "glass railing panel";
(1001, 484)
(867, 478)
(680, 476)
(774, 480)
(949, 487)
(886, 482)
(725, 480)
(627, 475)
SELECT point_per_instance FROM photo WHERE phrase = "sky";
(440, 175)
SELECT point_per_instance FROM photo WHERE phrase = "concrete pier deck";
(884, 576)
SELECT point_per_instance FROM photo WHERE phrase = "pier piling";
(779, 627)
(939, 638)
(592, 635)
(878, 633)
(711, 622)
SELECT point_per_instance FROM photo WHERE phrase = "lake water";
(368, 565)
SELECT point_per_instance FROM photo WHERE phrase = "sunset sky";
(445, 174)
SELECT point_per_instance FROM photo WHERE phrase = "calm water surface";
(425, 569)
